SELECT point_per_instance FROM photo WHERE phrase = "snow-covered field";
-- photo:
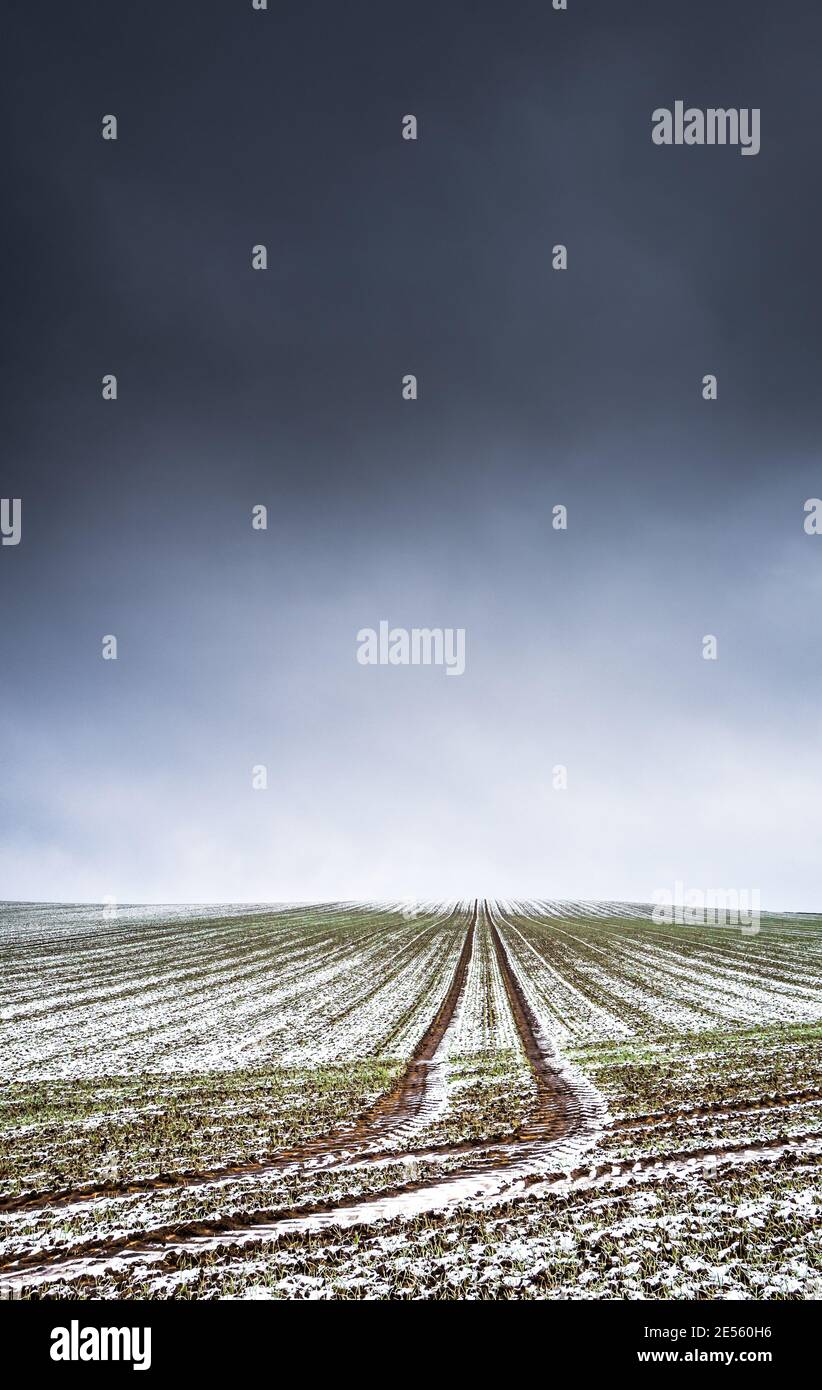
(470, 1100)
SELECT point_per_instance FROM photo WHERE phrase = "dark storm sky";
(537, 387)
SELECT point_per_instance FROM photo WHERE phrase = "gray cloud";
(237, 648)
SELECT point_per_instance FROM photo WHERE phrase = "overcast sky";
(537, 387)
